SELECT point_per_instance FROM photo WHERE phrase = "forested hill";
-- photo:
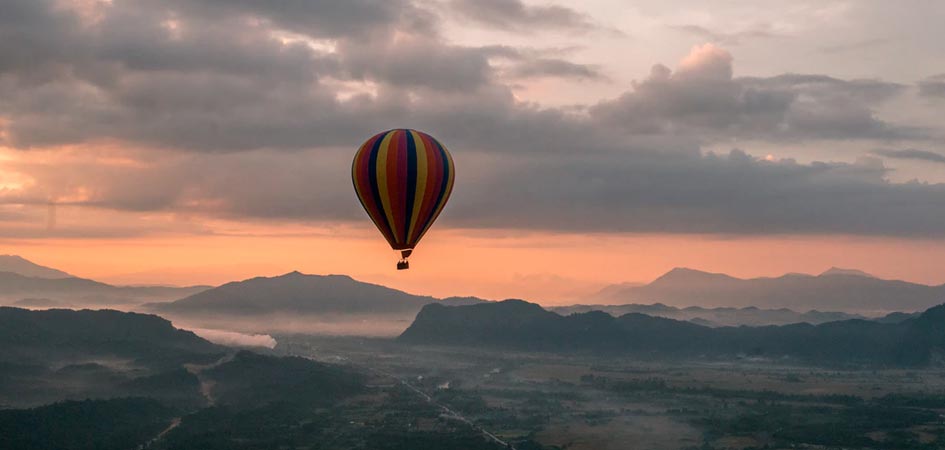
(515, 324)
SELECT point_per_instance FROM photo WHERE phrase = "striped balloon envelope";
(403, 178)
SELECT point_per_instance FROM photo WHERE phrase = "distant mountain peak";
(297, 274)
(677, 271)
(687, 274)
(683, 270)
(841, 271)
(837, 289)
(22, 266)
(297, 293)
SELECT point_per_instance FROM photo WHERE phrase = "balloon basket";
(403, 264)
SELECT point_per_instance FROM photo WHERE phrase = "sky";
(595, 142)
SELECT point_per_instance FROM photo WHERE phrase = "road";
(453, 413)
(429, 399)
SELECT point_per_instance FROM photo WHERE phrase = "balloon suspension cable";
(403, 264)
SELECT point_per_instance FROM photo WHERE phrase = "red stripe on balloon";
(434, 180)
(365, 179)
(392, 183)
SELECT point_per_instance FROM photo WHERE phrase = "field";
(581, 402)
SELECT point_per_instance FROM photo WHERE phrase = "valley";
(581, 402)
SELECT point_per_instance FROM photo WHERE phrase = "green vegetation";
(660, 385)
(253, 379)
(401, 421)
(458, 398)
(119, 424)
(783, 425)
(523, 326)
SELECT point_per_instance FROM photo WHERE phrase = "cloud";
(416, 61)
(261, 108)
(515, 15)
(639, 189)
(559, 68)
(911, 153)
(130, 76)
(293, 185)
(732, 194)
(702, 97)
(523, 63)
(316, 18)
(864, 44)
(727, 38)
(177, 75)
(933, 87)
(148, 74)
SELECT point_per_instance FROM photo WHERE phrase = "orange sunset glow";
(490, 264)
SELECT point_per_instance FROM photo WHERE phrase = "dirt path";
(175, 422)
(206, 389)
(206, 386)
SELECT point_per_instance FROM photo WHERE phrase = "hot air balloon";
(403, 178)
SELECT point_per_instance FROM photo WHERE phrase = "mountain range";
(30, 291)
(844, 290)
(721, 316)
(300, 303)
(19, 265)
(27, 284)
(297, 293)
(837, 294)
(519, 325)
(298, 299)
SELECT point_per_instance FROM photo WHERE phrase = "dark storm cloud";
(217, 82)
(933, 87)
(702, 97)
(911, 153)
(514, 15)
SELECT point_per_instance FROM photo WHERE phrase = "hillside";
(297, 293)
(841, 290)
(21, 266)
(62, 354)
(77, 336)
(519, 325)
(15, 287)
(716, 317)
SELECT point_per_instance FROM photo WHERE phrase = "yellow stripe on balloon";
(382, 182)
(446, 193)
(421, 181)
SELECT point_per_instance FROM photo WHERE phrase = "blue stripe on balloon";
(411, 184)
(372, 177)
